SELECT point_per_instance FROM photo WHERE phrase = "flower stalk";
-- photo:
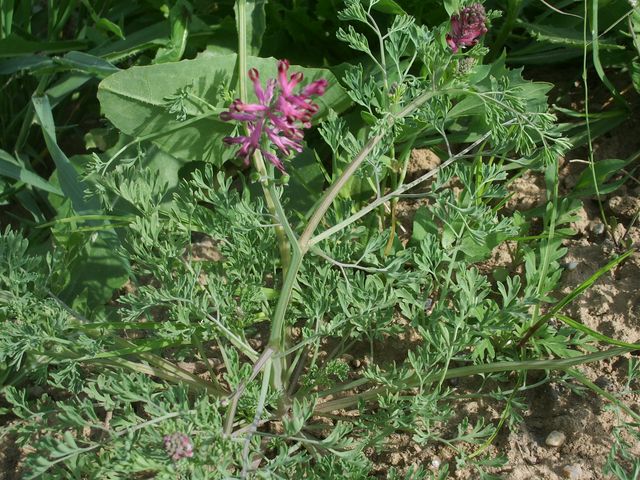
(256, 159)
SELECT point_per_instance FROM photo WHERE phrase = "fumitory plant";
(274, 325)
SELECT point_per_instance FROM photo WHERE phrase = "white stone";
(555, 439)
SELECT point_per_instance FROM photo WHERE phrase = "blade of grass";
(597, 335)
(10, 167)
(601, 392)
(595, 51)
(69, 181)
(574, 294)
(412, 382)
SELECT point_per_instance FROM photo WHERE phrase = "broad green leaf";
(178, 105)
(389, 6)
(255, 24)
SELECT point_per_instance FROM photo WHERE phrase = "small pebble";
(573, 472)
(435, 463)
(555, 439)
(598, 228)
(572, 265)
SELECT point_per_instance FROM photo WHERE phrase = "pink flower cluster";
(467, 26)
(178, 446)
(278, 118)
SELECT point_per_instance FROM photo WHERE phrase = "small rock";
(603, 382)
(597, 228)
(572, 265)
(573, 472)
(624, 207)
(555, 439)
(435, 463)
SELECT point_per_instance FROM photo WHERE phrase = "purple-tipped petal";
(315, 88)
(239, 116)
(254, 76)
(287, 85)
(274, 160)
(283, 143)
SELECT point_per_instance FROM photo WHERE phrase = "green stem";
(571, 296)
(612, 398)
(277, 339)
(334, 190)
(256, 420)
(399, 191)
(257, 160)
(242, 48)
(415, 380)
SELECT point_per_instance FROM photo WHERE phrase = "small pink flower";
(276, 120)
(466, 27)
(178, 446)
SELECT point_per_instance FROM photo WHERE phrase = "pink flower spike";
(276, 122)
(178, 446)
(467, 27)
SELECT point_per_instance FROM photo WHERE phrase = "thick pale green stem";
(399, 191)
(277, 340)
(334, 190)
